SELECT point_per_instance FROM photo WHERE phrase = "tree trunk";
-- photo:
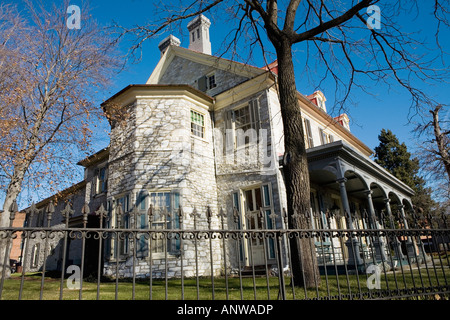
(440, 140)
(12, 193)
(296, 174)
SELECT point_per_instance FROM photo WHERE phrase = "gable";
(183, 66)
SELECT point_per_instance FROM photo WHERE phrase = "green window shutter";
(202, 85)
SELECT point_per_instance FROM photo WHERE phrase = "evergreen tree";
(394, 157)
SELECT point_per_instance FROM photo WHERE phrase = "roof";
(360, 161)
(148, 88)
(62, 194)
(238, 68)
(94, 158)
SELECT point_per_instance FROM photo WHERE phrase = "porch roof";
(338, 158)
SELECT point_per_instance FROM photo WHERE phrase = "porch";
(351, 192)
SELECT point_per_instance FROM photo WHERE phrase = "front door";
(254, 221)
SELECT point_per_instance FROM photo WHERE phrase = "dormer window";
(343, 120)
(318, 99)
(211, 81)
(207, 82)
(321, 103)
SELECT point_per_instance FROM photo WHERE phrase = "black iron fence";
(102, 260)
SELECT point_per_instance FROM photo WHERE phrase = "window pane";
(166, 205)
(197, 124)
(266, 195)
(249, 200)
(242, 118)
(258, 198)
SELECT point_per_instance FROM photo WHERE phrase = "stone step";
(259, 270)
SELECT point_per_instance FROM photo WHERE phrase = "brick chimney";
(199, 34)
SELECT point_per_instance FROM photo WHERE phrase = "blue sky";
(368, 114)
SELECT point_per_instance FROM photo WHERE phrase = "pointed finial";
(66, 213)
(101, 212)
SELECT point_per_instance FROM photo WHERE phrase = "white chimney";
(199, 34)
(169, 41)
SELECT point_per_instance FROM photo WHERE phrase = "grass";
(332, 286)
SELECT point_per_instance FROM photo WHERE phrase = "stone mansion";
(204, 135)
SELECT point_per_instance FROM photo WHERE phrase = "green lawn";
(392, 285)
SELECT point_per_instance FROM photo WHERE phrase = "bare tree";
(434, 151)
(50, 74)
(339, 38)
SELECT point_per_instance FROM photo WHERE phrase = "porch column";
(395, 243)
(353, 245)
(422, 255)
(378, 243)
(410, 250)
(345, 204)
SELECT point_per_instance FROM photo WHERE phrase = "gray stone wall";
(162, 155)
(183, 71)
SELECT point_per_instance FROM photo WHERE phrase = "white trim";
(243, 91)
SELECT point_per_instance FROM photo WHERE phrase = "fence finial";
(66, 213)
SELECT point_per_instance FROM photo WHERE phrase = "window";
(121, 221)
(321, 103)
(308, 134)
(40, 219)
(197, 124)
(34, 256)
(325, 137)
(163, 216)
(101, 180)
(242, 118)
(206, 82)
(239, 121)
(165, 207)
(193, 36)
(211, 81)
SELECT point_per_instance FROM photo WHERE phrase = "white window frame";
(99, 182)
(324, 136)
(211, 81)
(172, 245)
(309, 140)
(254, 123)
(194, 131)
(124, 245)
(238, 202)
